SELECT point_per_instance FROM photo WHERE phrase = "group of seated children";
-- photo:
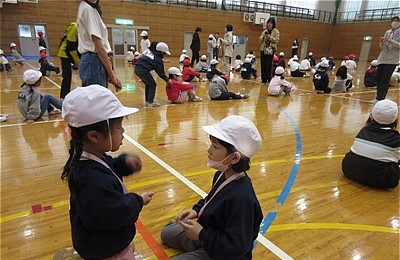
(247, 68)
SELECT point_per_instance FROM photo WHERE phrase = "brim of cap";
(213, 131)
(167, 52)
(125, 112)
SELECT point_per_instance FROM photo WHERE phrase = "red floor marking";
(151, 242)
(38, 208)
(164, 143)
(191, 138)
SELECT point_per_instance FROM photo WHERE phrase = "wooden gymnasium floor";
(311, 211)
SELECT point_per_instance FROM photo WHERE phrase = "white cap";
(210, 36)
(247, 60)
(374, 63)
(324, 64)
(239, 132)
(310, 54)
(30, 77)
(92, 104)
(136, 53)
(41, 48)
(279, 70)
(162, 46)
(203, 57)
(295, 57)
(144, 33)
(174, 71)
(132, 48)
(13, 45)
(1, 51)
(281, 54)
(213, 61)
(323, 58)
(385, 112)
(184, 51)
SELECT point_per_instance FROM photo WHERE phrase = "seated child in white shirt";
(278, 84)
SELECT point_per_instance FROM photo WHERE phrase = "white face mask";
(218, 165)
(395, 24)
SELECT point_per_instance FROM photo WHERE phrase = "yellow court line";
(358, 227)
(15, 216)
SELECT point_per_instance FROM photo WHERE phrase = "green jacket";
(274, 39)
(69, 43)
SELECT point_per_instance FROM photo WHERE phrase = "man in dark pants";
(68, 54)
(195, 46)
(388, 58)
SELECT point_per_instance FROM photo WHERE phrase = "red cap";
(275, 58)
(43, 55)
(330, 57)
(346, 57)
(352, 56)
(186, 62)
(40, 33)
(226, 78)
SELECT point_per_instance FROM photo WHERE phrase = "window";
(379, 4)
(309, 4)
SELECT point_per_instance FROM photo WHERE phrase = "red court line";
(151, 242)
(148, 238)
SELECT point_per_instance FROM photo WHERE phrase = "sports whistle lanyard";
(234, 177)
(88, 156)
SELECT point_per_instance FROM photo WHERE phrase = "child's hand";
(186, 214)
(133, 161)
(30, 121)
(147, 196)
(192, 228)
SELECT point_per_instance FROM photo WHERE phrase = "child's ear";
(236, 158)
(93, 136)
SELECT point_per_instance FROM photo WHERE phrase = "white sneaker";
(292, 90)
(3, 118)
(154, 104)
(55, 111)
(245, 96)
(196, 99)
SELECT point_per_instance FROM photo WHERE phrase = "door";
(29, 38)
(240, 47)
(365, 47)
(304, 47)
(187, 40)
(123, 39)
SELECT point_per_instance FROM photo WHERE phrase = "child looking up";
(102, 210)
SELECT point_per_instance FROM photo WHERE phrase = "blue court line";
(269, 219)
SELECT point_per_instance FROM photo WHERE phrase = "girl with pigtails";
(102, 211)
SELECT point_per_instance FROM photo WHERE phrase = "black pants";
(228, 95)
(383, 75)
(67, 77)
(297, 73)
(266, 67)
(195, 57)
(215, 53)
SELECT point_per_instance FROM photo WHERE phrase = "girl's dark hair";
(238, 57)
(371, 121)
(198, 29)
(342, 72)
(153, 46)
(229, 27)
(244, 162)
(78, 137)
(272, 20)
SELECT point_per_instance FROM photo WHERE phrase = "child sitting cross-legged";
(218, 89)
(248, 70)
(202, 65)
(278, 84)
(188, 73)
(177, 91)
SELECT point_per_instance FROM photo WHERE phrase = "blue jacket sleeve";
(159, 68)
(119, 164)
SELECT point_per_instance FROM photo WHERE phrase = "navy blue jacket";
(212, 71)
(248, 70)
(102, 216)
(321, 80)
(152, 62)
(231, 221)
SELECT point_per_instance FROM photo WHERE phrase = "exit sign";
(123, 21)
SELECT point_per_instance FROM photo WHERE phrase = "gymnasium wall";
(169, 23)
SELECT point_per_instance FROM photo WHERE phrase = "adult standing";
(68, 53)
(227, 47)
(388, 58)
(195, 46)
(95, 66)
(269, 39)
(295, 47)
(42, 42)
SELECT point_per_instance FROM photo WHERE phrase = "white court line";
(34, 123)
(260, 238)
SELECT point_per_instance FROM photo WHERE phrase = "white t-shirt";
(3, 60)
(275, 85)
(351, 64)
(90, 23)
(144, 46)
(294, 65)
(305, 65)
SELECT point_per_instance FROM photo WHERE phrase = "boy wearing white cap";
(202, 65)
(248, 69)
(17, 58)
(374, 157)
(102, 210)
(278, 84)
(212, 70)
(211, 44)
(321, 79)
(226, 222)
(177, 91)
(32, 104)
